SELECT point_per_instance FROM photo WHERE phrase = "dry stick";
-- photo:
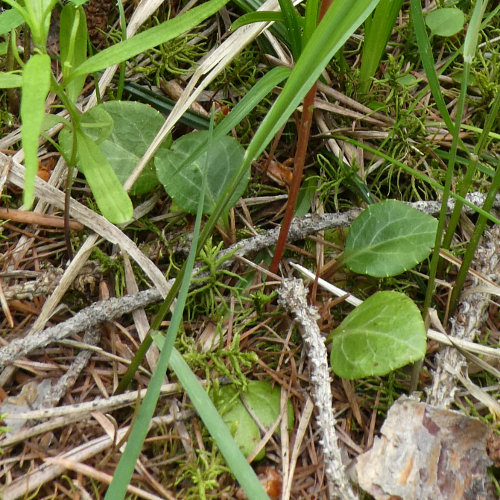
(44, 473)
(83, 320)
(300, 229)
(466, 322)
(29, 217)
(62, 416)
(293, 297)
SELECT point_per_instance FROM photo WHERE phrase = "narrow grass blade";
(165, 105)
(425, 51)
(121, 479)
(218, 430)
(35, 87)
(378, 29)
(257, 17)
(469, 50)
(150, 38)
(291, 18)
(420, 176)
(474, 240)
(248, 6)
(311, 20)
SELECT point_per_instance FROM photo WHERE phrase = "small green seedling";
(121, 140)
(386, 331)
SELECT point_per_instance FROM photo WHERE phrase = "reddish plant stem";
(298, 167)
(299, 160)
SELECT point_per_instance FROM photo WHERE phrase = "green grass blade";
(378, 29)
(474, 240)
(278, 30)
(150, 38)
(425, 51)
(165, 105)
(217, 428)
(310, 20)
(420, 176)
(469, 50)
(251, 99)
(35, 87)
(291, 18)
(121, 479)
(257, 17)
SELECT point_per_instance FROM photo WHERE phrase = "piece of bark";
(427, 453)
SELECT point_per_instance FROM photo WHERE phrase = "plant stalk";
(300, 157)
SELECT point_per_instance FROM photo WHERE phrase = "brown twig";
(28, 217)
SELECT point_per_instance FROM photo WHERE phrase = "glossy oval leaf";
(135, 125)
(389, 238)
(384, 333)
(109, 194)
(218, 162)
(264, 401)
(447, 21)
(35, 87)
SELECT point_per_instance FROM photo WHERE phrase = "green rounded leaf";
(389, 238)
(183, 182)
(384, 333)
(263, 399)
(445, 22)
(124, 130)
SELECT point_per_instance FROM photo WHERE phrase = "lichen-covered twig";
(292, 295)
(466, 322)
(86, 319)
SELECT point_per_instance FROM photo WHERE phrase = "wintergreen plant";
(386, 331)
